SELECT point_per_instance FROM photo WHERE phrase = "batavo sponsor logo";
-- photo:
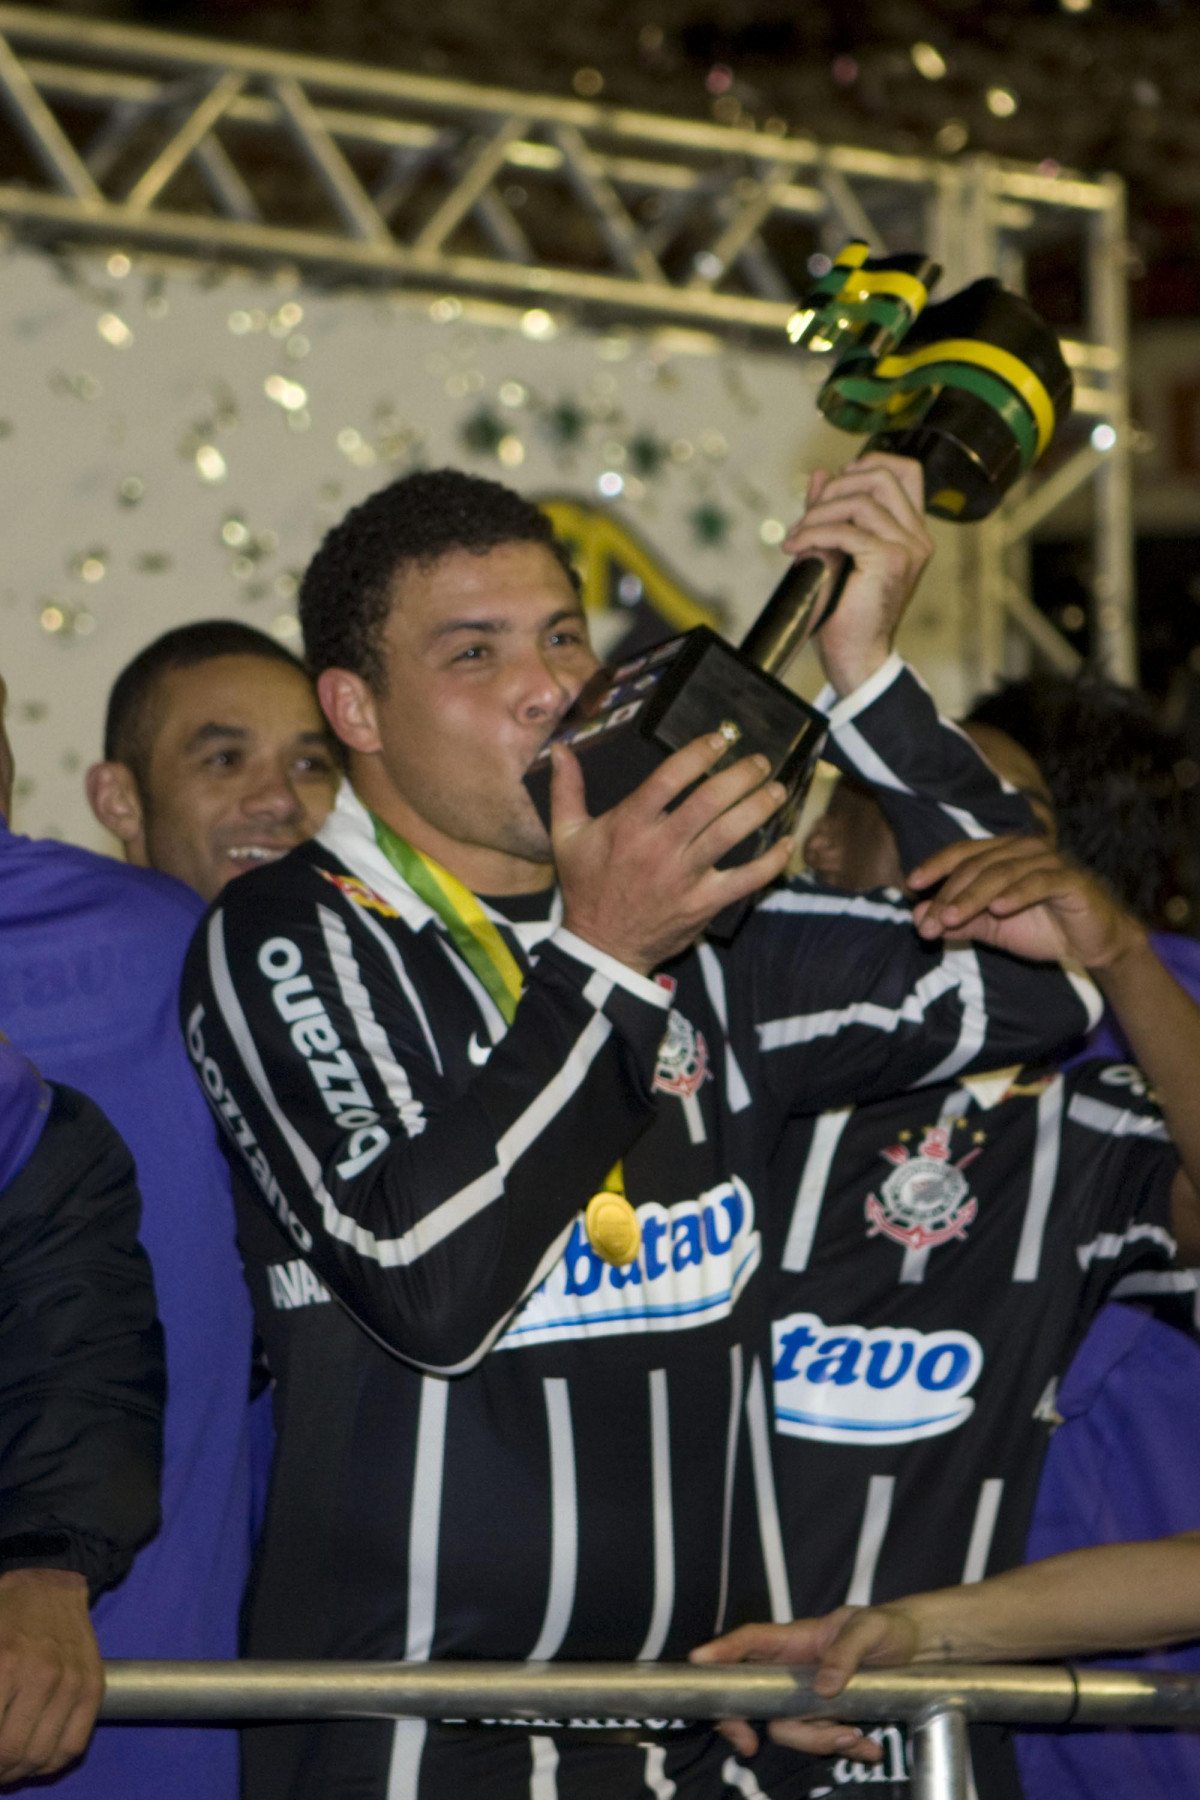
(842, 1384)
(695, 1259)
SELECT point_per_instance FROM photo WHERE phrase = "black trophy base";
(628, 720)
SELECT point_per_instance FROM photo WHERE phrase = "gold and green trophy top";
(974, 387)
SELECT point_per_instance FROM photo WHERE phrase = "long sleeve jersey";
(490, 1442)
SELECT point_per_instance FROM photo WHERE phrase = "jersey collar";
(349, 835)
(989, 1088)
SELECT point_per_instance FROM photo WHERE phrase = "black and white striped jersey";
(934, 1261)
(492, 1444)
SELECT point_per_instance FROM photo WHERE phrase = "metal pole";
(521, 1692)
(1114, 624)
(940, 1756)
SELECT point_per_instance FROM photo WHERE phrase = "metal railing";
(936, 1702)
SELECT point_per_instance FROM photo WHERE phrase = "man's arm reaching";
(1021, 896)
(1108, 1598)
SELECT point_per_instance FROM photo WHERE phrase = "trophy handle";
(800, 604)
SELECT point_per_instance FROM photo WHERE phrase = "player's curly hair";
(1110, 770)
(349, 585)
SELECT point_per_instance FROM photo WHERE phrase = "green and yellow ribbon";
(609, 1219)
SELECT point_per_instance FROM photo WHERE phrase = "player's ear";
(113, 796)
(349, 705)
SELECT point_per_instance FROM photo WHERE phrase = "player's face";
(240, 770)
(851, 845)
(484, 655)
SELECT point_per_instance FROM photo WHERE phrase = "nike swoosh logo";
(478, 1052)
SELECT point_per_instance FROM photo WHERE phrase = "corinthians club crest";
(926, 1199)
(682, 1058)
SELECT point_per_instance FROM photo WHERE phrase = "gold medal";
(612, 1228)
(610, 1222)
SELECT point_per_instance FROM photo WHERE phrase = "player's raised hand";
(639, 881)
(1020, 895)
(873, 511)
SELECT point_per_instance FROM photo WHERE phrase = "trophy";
(973, 388)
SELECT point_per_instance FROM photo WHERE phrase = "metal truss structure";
(141, 139)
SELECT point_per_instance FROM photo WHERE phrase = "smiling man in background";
(216, 756)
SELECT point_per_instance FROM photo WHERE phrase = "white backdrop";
(172, 447)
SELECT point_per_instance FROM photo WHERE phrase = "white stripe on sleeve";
(966, 821)
(371, 1035)
(452, 1213)
(804, 1028)
(1090, 997)
(867, 761)
(1106, 1246)
(1114, 1121)
(848, 706)
(834, 905)
(973, 1029)
(616, 973)
(404, 981)
(1145, 1281)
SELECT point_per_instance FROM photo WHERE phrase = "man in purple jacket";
(216, 760)
(90, 954)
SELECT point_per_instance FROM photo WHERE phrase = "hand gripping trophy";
(973, 388)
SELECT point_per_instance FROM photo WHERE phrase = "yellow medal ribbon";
(609, 1219)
